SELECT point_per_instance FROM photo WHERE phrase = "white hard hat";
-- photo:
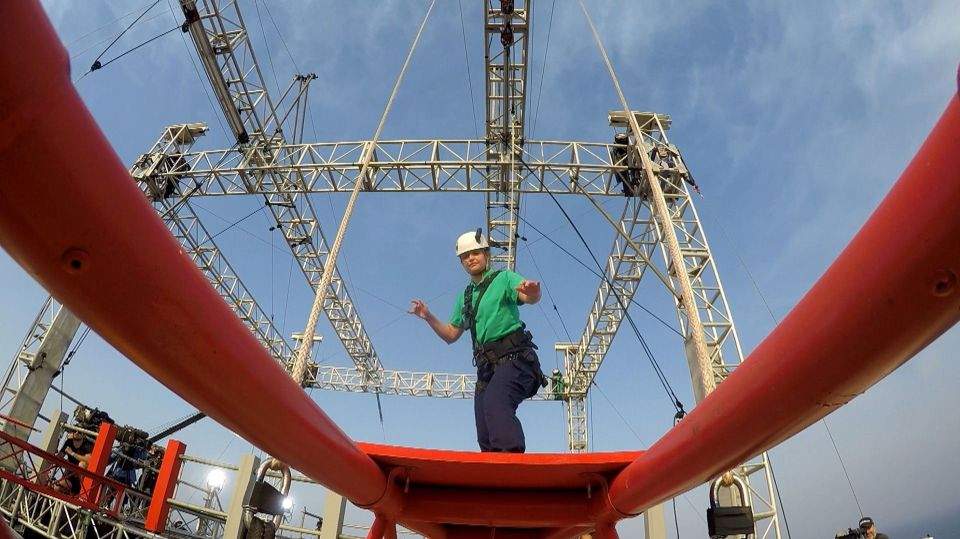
(471, 241)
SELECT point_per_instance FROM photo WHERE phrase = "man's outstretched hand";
(529, 292)
(419, 309)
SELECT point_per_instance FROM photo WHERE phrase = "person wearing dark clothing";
(869, 527)
(148, 479)
(508, 369)
(76, 450)
(126, 463)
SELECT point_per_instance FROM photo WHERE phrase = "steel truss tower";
(661, 216)
(506, 38)
(37, 362)
(228, 58)
(658, 215)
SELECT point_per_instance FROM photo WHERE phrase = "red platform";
(472, 470)
(498, 490)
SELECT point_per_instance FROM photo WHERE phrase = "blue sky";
(795, 119)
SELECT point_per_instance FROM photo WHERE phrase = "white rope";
(695, 325)
(303, 353)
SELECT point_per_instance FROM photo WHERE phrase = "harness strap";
(470, 312)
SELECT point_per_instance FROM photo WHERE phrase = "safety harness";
(495, 353)
(470, 312)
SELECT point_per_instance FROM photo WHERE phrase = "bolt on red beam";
(892, 291)
(73, 218)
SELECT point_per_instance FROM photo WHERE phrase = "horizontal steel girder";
(406, 383)
(166, 316)
(402, 166)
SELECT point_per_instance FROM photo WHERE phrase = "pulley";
(506, 35)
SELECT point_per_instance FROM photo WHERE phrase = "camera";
(852, 533)
(132, 437)
(90, 418)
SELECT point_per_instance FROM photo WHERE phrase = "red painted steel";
(163, 490)
(33, 468)
(470, 469)
(377, 528)
(498, 489)
(500, 507)
(5, 531)
(606, 531)
(17, 422)
(464, 532)
(890, 293)
(382, 528)
(99, 458)
(71, 216)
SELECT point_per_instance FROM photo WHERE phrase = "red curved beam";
(77, 222)
(74, 219)
(890, 293)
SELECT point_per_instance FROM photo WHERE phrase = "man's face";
(474, 261)
(871, 532)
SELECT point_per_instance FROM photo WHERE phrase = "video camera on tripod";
(852, 533)
(90, 418)
(131, 437)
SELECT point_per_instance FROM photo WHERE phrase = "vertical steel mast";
(37, 362)
(506, 39)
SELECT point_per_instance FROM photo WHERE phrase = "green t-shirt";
(497, 314)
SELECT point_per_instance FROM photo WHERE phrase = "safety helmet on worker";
(471, 241)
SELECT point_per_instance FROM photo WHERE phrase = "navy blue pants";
(495, 406)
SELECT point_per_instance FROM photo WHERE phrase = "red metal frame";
(99, 458)
(382, 528)
(101, 249)
(167, 477)
(97, 493)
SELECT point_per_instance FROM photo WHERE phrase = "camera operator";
(76, 449)
(148, 479)
(130, 456)
(869, 529)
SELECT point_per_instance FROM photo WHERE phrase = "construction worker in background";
(508, 370)
(869, 529)
(76, 450)
(557, 387)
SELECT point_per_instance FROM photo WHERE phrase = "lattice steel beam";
(577, 430)
(35, 365)
(405, 166)
(186, 227)
(506, 45)
(716, 323)
(227, 54)
(26, 354)
(692, 271)
(405, 383)
(506, 41)
(624, 269)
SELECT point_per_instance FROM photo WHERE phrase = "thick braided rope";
(303, 353)
(694, 323)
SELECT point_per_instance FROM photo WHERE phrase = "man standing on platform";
(508, 369)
